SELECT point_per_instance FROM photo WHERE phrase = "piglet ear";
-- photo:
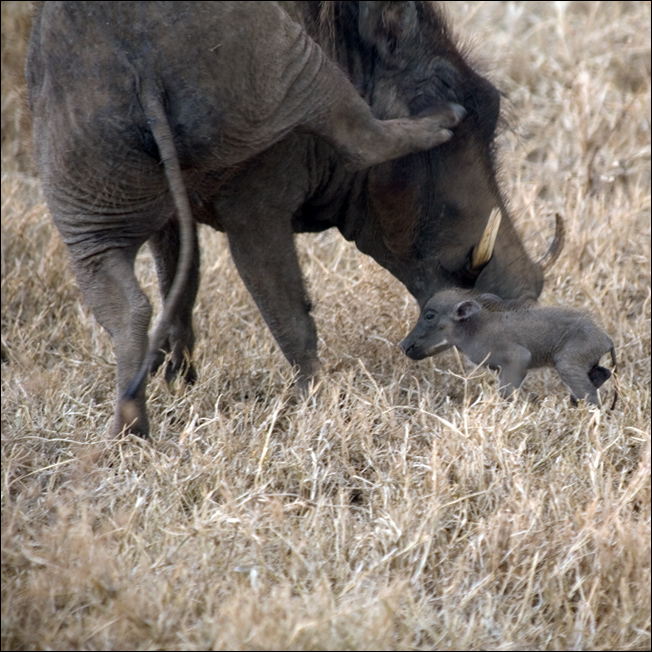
(465, 309)
(492, 301)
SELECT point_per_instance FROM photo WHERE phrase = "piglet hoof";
(507, 394)
(307, 379)
(305, 387)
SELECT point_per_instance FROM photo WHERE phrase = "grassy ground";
(404, 506)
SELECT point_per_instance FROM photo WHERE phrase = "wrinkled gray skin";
(514, 341)
(151, 117)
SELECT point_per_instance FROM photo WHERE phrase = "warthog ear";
(383, 24)
(465, 309)
(394, 202)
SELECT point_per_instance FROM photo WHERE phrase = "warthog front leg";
(364, 141)
(513, 369)
(266, 259)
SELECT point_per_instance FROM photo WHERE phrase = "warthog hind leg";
(118, 302)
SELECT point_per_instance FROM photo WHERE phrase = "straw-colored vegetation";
(404, 505)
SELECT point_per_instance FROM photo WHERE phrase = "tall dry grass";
(403, 506)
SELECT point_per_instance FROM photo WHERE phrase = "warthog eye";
(430, 315)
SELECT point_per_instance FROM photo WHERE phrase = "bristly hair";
(335, 26)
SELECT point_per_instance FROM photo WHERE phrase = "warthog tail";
(160, 128)
(615, 364)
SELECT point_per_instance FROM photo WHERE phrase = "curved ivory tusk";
(556, 246)
(485, 250)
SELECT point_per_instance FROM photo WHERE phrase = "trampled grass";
(403, 505)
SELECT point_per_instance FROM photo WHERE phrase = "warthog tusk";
(484, 251)
(440, 346)
(557, 244)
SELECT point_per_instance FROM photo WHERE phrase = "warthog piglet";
(514, 341)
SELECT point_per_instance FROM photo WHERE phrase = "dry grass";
(404, 506)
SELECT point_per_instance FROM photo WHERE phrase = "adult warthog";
(151, 117)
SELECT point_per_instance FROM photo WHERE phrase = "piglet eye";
(430, 315)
